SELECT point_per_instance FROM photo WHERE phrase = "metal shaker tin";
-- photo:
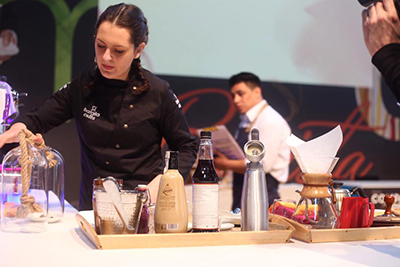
(98, 187)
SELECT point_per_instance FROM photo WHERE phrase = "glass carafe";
(315, 207)
(24, 203)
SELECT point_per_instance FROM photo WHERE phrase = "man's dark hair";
(248, 78)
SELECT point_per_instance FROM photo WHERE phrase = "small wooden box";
(227, 238)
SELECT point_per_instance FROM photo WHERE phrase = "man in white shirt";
(256, 112)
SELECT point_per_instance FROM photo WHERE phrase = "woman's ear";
(139, 50)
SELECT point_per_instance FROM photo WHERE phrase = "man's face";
(244, 97)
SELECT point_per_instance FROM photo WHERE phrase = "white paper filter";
(318, 154)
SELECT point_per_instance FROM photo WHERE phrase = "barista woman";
(121, 111)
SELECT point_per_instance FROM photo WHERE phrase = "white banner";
(306, 42)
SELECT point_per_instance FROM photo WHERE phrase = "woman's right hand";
(11, 135)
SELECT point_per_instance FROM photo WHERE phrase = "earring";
(95, 60)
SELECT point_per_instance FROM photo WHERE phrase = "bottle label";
(167, 226)
(205, 206)
(167, 199)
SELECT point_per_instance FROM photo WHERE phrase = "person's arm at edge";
(387, 60)
(381, 30)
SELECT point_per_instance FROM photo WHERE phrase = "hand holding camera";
(381, 23)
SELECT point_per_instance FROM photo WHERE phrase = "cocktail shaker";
(254, 216)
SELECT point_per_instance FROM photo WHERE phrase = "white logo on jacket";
(177, 101)
(65, 86)
(91, 114)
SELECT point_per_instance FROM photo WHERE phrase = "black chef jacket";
(387, 60)
(120, 133)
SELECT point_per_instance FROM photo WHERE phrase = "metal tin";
(341, 193)
(98, 187)
(107, 217)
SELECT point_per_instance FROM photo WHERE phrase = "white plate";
(224, 226)
(37, 217)
(227, 226)
(229, 217)
(378, 212)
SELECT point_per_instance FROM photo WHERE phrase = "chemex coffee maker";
(316, 205)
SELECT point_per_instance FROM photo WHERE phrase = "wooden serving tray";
(225, 238)
(342, 235)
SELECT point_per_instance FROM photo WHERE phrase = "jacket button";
(125, 126)
(130, 106)
(107, 163)
(117, 146)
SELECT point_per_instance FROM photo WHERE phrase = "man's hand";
(221, 161)
(381, 25)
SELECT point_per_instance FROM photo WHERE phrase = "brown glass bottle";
(205, 189)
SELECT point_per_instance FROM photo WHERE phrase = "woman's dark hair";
(129, 17)
(248, 78)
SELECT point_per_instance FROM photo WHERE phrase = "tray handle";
(88, 230)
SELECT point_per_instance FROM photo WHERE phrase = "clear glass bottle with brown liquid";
(171, 214)
(205, 189)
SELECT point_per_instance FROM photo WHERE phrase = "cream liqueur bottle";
(171, 214)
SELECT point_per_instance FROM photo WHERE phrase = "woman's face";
(115, 51)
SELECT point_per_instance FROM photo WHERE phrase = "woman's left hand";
(153, 188)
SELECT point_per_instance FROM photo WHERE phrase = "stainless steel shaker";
(340, 194)
(254, 215)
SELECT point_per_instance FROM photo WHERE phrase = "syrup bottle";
(205, 189)
(171, 214)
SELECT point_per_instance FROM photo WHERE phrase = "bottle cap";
(142, 187)
(173, 154)
(173, 159)
(205, 135)
(255, 134)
